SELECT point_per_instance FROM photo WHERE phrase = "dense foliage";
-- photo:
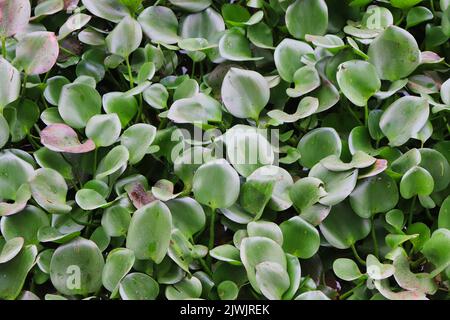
(252, 149)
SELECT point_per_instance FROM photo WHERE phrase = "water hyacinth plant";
(215, 149)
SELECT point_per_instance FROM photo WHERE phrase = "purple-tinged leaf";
(37, 52)
(14, 16)
(62, 138)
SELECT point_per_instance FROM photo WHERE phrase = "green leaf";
(227, 253)
(227, 290)
(241, 139)
(416, 181)
(417, 15)
(25, 224)
(437, 249)
(306, 79)
(260, 35)
(404, 4)
(376, 270)
(437, 165)
(287, 57)
(221, 195)
(48, 7)
(111, 10)
(187, 215)
(358, 81)
(15, 271)
(306, 192)
(365, 198)
(234, 46)
(265, 229)
(21, 115)
(411, 112)
(188, 288)
(125, 38)
(11, 249)
(138, 286)
(307, 17)
(112, 162)
(49, 190)
(103, 129)
(118, 263)
(78, 103)
(318, 144)
(394, 53)
(272, 279)
(149, 232)
(300, 238)
(342, 227)
(256, 250)
(88, 199)
(197, 109)
(76, 267)
(245, 93)
(282, 180)
(159, 24)
(444, 214)
(191, 5)
(346, 269)
(115, 221)
(156, 96)
(124, 106)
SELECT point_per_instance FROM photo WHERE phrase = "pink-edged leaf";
(379, 166)
(138, 195)
(62, 138)
(37, 52)
(430, 57)
(22, 196)
(14, 16)
(70, 4)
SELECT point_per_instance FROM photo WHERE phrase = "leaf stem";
(4, 47)
(130, 72)
(411, 209)
(212, 227)
(205, 266)
(349, 292)
(366, 115)
(24, 85)
(353, 114)
(374, 239)
(95, 160)
(355, 253)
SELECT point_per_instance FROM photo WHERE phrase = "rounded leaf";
(76, 267)
(358, 81)
(318, 144)
(125, 37)
(411, 112)
(138, 286)
(103, 129)
(149, 231)
(394, 53)
(78, 103)
(245, 93)
(160, 24)
(222, 194)
(37, 52)
(307, 17)
(301, 239)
